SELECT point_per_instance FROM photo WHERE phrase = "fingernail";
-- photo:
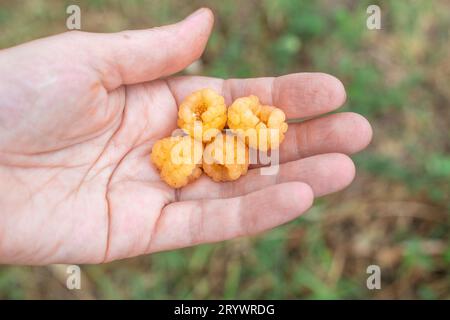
(196, 13)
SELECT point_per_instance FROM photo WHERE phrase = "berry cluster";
(223, 156)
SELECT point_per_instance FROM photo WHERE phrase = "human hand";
(79, 114)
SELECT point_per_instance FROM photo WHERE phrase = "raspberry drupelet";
(204, 109)
(262, 126)
(226, 158)
(178, 159)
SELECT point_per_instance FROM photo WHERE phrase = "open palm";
(79, 113)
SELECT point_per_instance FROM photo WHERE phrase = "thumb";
(135, 56)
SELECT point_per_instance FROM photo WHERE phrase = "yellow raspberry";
(226, 158)
(178, 159)
(262, 127)
(203, 114)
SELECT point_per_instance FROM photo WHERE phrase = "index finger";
(300, 95)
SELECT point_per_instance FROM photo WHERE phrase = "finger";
(325, 174)
(136, 56)
(299, 94)
(345, 132)
(188, 223)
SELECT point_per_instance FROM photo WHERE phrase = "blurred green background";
(397, 212)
